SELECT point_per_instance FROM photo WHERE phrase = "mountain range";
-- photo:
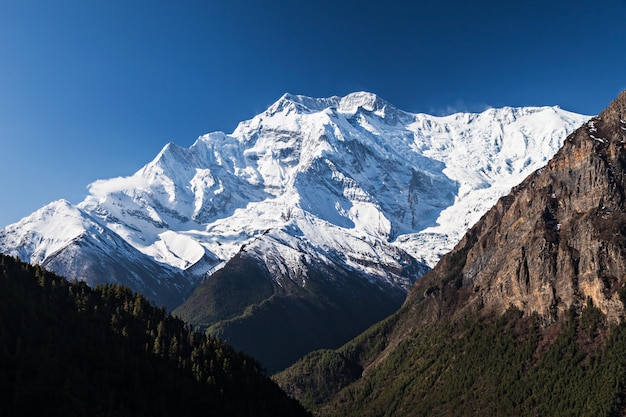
(309, 222)
(525, 316)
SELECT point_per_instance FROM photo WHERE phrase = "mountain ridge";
(162, 213)
(533, 296)
(572, 211)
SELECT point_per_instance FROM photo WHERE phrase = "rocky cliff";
(557, 240)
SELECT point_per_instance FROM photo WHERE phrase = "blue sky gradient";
(94, 89)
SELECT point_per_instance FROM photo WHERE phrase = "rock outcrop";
(555, 242)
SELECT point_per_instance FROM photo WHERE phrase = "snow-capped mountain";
(349, 182)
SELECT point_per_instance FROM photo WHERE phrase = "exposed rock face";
(557, 240)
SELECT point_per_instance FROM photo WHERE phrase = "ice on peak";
(56, 209)
(171, 150)
(367, 101)
(60, 204)
(38, 236)
(350, 103)
(60, 207)
(297, 103)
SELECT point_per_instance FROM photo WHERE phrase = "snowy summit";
(346, 181)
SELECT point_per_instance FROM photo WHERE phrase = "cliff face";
(557, 240)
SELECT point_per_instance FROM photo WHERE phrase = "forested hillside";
(67, 349)
(505, 366)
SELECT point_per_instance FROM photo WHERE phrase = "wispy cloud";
(459, 106)
(101, 188)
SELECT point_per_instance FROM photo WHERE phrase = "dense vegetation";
(506, 366)
(67, 349)
(227, 294)
(278, 324)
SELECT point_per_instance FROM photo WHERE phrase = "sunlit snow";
(341, 179)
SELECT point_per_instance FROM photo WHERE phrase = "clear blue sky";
(93, 89)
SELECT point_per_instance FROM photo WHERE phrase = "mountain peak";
(364, 100)
(350, 103)
(298, 103)
(59, 207)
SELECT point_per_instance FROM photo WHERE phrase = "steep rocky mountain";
(315, 205)
(558, 239)
(532, 296)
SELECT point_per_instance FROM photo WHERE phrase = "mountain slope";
(70, 241)
(67, 349)
(532, 297)
(558, 238)
(280, 323)
(332, 199)
(505, 366)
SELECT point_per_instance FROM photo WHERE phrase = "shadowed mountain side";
(277, 324)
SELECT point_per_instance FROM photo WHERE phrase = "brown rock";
(557, 240)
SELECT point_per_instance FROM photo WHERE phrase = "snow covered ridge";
(347, 179)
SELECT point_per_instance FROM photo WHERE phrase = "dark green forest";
(495, 366)
(69, 350)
